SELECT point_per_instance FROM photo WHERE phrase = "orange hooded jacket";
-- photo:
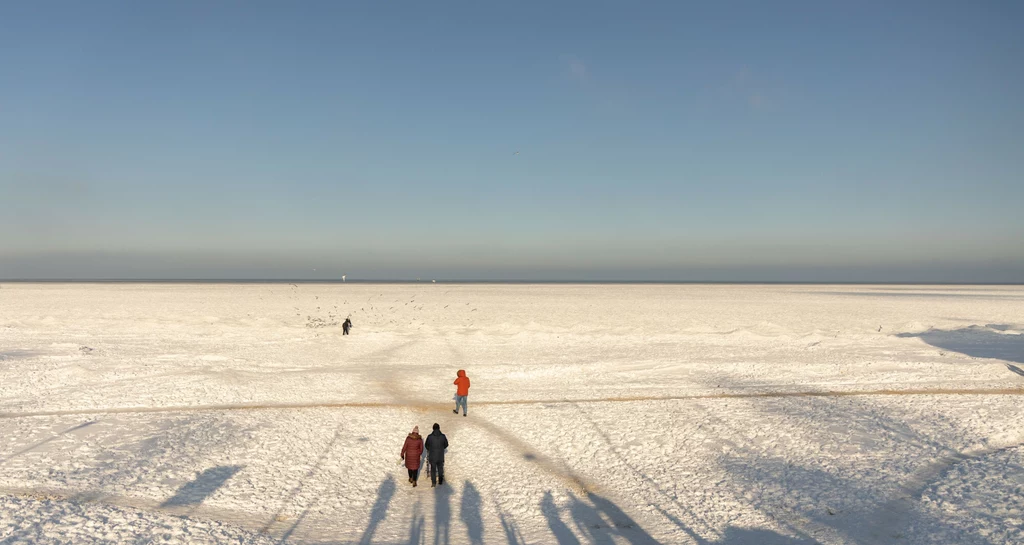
(463, 384)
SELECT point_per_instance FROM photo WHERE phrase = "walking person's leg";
(440, 472)
(433, 473)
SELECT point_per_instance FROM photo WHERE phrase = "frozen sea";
(627, 414)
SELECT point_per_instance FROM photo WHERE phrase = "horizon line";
(480, 281)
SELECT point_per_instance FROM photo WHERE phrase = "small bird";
(516, 153)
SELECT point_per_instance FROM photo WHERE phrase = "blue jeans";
(460, 400)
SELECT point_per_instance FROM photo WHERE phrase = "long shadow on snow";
(380, 508)
(861, 502)
(597, 519)
(299, 488)
(562, 533)
(416, 536)
(442, 515)
(512, 533)
(145, 450)
(204, 485)
(600, 521)
(976, 341)
(469, 512)
(645, 478)
(54, 437)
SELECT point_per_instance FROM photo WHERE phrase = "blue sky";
(740, 141)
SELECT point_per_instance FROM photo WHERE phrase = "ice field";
(627, 414)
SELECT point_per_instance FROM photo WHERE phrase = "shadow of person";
(589, 522)
(469, 512)
(416, 536)
(597, 519)
(563, 535)
(509, 526)
(380, 508)
(442, 515)
(626, 526)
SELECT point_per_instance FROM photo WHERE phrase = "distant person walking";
(436, 443)
(462, 392)
(412, 450)
(345, 326)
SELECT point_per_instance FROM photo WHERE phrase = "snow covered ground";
(709, 414)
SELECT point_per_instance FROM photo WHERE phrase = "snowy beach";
(640, 414)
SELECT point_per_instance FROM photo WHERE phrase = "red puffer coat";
(412, 450)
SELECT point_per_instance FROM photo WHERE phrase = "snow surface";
(217, 413)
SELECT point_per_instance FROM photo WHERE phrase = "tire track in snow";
(432, 405)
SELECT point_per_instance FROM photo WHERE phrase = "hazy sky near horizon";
(660, 140)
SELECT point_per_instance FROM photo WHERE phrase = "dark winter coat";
(412, 450)
(436, 443)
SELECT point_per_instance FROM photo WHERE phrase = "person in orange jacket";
(462, 382)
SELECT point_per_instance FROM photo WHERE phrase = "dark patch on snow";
(205, 484)
(976, 341)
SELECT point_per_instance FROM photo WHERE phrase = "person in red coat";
(461, 391)
(411, 452)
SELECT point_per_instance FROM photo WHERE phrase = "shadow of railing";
(54, 437)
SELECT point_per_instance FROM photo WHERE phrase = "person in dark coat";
(345, 326)
(411, 452)
(436, 443)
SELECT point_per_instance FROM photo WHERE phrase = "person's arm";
(445, 444)
(405, 447)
